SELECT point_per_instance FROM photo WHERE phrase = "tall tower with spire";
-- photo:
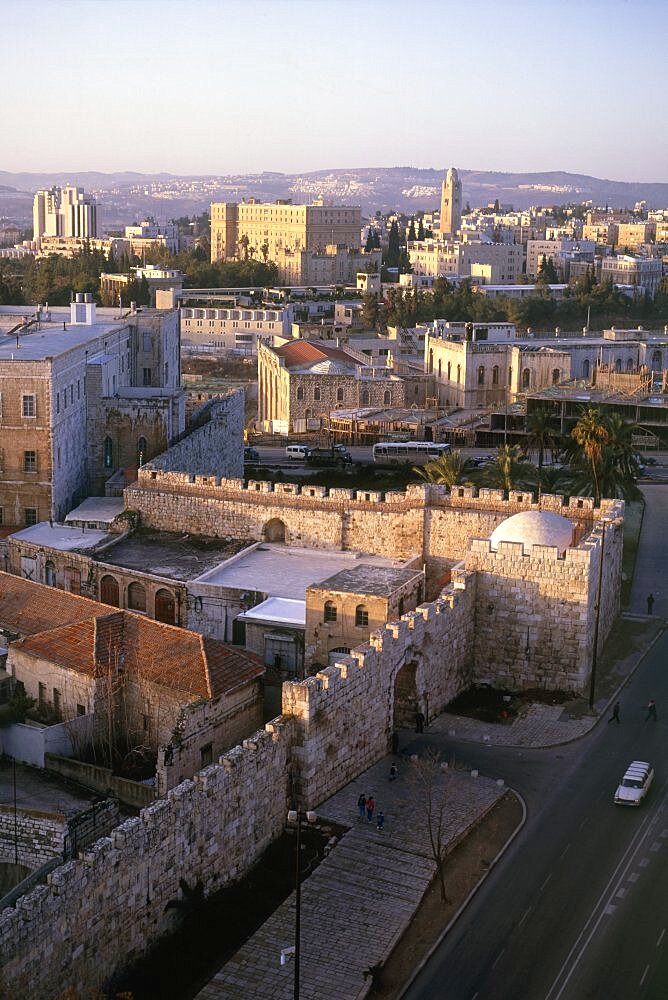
(451, 204)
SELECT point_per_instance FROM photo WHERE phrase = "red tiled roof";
(303, 352)
(98, 638)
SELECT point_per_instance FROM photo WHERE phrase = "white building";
(441, 258)
(235, 330)
(64, 212)
(557, 251)
(644, 274)
(147, 235)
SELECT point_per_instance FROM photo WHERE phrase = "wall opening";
(109, 591)
(274, 531)
(405, 696)
(165, 607)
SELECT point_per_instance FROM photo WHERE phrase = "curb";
(455, 917)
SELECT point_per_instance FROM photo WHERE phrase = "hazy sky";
(295, 85)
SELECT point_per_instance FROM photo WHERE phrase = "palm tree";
(592, 437)
(540, 433)
(451, 469)
(507, 471)
(620, 449)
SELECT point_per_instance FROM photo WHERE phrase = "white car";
(635, 784)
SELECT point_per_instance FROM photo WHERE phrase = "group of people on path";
(650, 708)
(366, 807)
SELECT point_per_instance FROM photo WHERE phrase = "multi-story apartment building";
(269, 231)
(556, 251)
(66, 212)
(335, 265)
(113, 286)
(442, 258)
(83, 394)
(642, 273)
(70, 246)
(147, 235)
(632, 235)
(233, 330)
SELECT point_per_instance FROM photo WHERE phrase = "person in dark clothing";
(393, 772)
(615, 713)
(419, 722)
(651, 710)
(650, 603)
(361, 806)
(380, 822)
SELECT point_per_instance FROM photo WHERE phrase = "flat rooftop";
(62, 536)
(104, 510)
(49, 338)
(381, 581)
(282, 571)
(37, 789)
(279, 611)
(175, 556)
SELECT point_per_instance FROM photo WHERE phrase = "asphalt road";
(576, 909)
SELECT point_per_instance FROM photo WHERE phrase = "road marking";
(476, 994)
(644, 975)
(524, 916)
(634, 876)
(620, 893)
(643, 862)
(610, 909)
(656, 846)
(565, 851)
(498, 958)
(585, 820)
(661, 937)
(664, 833)
(545, 882)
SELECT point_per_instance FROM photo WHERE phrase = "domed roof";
(534, 527)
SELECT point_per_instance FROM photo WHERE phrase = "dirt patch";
(500, 706)
(466, 866)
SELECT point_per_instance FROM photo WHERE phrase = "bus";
(408, 452)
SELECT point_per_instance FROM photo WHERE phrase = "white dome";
(534, 527)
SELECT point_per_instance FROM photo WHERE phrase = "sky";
(203, 87)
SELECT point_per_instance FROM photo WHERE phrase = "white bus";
(408, 452)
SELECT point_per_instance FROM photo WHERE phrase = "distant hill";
(127, 195)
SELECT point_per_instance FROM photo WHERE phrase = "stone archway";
(405, 696)
(274, 531)
(165, 607)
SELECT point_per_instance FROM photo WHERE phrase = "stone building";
(84, 394)
(301, 382)
(344, 609)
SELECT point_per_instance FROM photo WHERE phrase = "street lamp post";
(298, 816)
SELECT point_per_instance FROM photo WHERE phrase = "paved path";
(361, 898)
(650, 569)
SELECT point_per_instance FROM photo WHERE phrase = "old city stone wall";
(108, 907)
(40, 836)
(346, 713)
(216, 448)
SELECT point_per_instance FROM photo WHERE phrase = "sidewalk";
(362, 896)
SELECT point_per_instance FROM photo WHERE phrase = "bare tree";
(428, 777)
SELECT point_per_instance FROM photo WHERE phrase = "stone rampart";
(39, 836)
(108, 907)
(346, 713)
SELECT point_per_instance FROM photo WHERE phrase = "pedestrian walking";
(395, 743)
(361, 806)
(650, 603)
(651, 710)
(394, 770)
(615, 713)
(419, 722)
(370, 806)
(380, 822)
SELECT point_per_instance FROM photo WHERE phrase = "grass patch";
(633, 517)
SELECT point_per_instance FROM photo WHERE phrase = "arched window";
(431, 361)
(365, 397)
(481, 374)
(556, 375)
(109, 593)
(459, 373)
(361, 616)
(329, 612)
(526, 378)
(165, 607)
(657, 362)
(618, 365)
(136, 597)
(510, 376)
(300, 392)
(108, 452)
(629, 364)
(142, 449)
(401, 605)
(50, 573)
(439, 369)
(308, 413)
(495, 375)
(449, 369)
(316, 394)
(339, 395)
(387, 397)
(585, 368)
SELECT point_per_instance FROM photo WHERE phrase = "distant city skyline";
(199, 88)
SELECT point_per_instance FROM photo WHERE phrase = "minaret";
(451, 204)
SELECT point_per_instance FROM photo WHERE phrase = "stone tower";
(451, 204)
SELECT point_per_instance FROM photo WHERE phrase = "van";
(297, 451)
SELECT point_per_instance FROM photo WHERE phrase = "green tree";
(547, 272)
(411, 230)
(451, 469)
(393, 246)
(420, 232)
(370, 311)
(507, 471)
(591, 435)
(540, 433)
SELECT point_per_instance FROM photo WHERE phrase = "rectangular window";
(30, 516)
(148, 345)
(41, 697)
(81, 709)
(28, 408)
(57, 402)
(78, 388)
(72, 393)
(56, 702)
(147, 376)
(2, 515)
(30, 461)
(206, 755)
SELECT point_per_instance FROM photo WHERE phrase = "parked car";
(635, 784)
(251, 455)
(297, 451)
(329, 456)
